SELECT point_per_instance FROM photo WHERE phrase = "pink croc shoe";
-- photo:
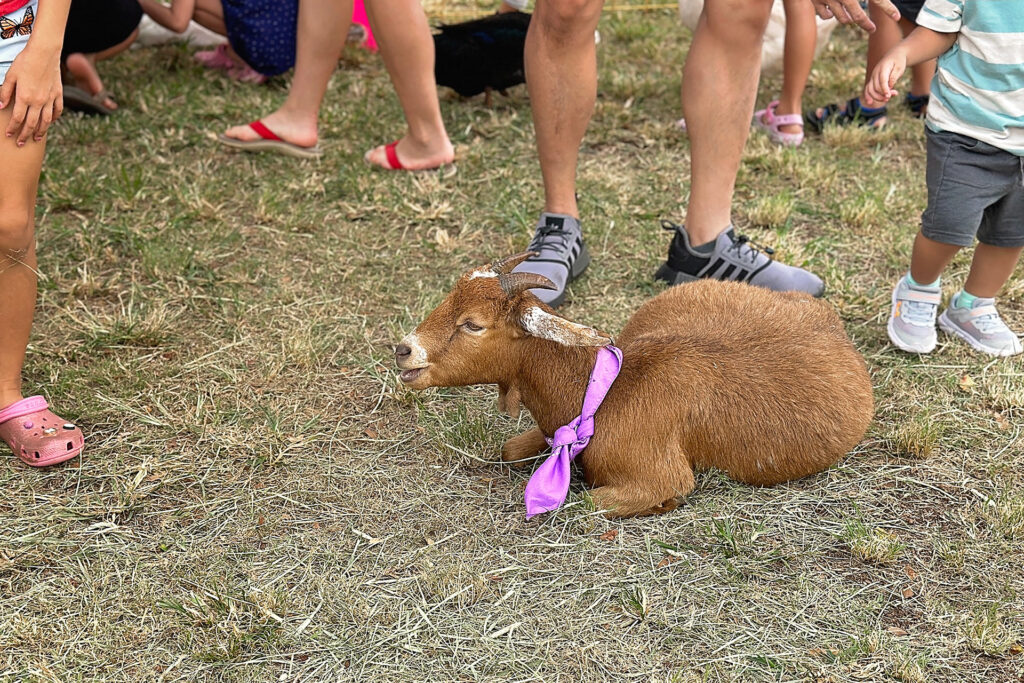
(770, 122)
(217, 58)
(36, 435)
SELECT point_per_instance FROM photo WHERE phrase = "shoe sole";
(578, 266)
(899, 343)
(672, 277)
(950, 328)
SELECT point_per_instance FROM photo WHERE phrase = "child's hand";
(33, 86)
(879, 88)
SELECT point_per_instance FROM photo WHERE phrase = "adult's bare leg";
(561, 75)
(407, 48)
(719, 86)
(322, 29)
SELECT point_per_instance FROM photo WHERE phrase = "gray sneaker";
(981, 327)
(734, 257)
(911, 324)
(561, 255)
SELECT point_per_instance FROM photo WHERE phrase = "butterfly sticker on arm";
(9, 29)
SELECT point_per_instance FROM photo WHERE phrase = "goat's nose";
(402, 351)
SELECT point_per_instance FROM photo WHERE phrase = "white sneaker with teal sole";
(912, 319)
(981, 327)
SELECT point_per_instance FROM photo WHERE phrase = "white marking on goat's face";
(418, 355)
(482, 273)
(540, 323)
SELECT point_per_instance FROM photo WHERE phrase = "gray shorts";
(974, 190)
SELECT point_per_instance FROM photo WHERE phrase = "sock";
(706, 248)
(963, 299)
(915, 283)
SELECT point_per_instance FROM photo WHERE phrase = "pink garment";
(359, 17)
(8, 6)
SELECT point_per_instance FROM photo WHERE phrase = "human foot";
(80, 71)
(408, 154)
(732, 257)
(853, 112)
(285, 127)
(911, 325)
(38, 436)
(979, 325)
(783, 128)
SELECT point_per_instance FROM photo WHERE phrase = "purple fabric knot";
(549, 484)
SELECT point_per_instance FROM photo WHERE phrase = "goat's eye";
(471, 326)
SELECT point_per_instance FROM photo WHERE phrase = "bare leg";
(887, 34)
(798, 56)
(405, 43)
(719, 87)
(82, 67)
(991, 268)
(210, 14)
(526, 445)
(561, 76)
(930, 258)
(323, 26)
(17, 257)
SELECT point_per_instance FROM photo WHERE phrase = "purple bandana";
(549, 484)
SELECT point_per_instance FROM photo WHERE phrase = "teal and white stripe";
(978, 89)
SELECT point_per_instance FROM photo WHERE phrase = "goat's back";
(764, 386)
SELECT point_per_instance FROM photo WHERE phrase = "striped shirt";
(978, 90)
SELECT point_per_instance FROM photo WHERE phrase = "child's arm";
(921, 45)
(33, 81)
(174, 18)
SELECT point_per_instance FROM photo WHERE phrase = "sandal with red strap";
(767, 120)
(270, 142)
(395, 164)
(37, 435)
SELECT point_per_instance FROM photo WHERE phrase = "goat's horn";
(513, 283)
(505, 265)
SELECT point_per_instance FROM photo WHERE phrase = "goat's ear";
(509, 400)
(538, 322)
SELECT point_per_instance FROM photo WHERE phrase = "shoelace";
(550, 237)
(919, 312)
(990, 324)
(753, 249)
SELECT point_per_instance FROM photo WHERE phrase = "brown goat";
(761, 385)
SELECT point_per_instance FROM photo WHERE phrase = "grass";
(261, 500)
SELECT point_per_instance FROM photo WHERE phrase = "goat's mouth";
(410, 375)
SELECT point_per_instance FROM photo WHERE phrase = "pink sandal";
(217, 58)
(770, 122)
(36, 435)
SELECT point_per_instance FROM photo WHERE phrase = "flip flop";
(36, 435)
(394, 163)
(269, 142)
(80, 100)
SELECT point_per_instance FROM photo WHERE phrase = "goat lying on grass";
(763, 386)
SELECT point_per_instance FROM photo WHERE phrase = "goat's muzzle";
(410, 359)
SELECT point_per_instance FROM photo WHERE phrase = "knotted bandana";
(549, 484)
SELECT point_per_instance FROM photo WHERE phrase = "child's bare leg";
(886, 36)
(17, 256)
(322, 29)
(82, 67)
(210, 14)
(798, 56)
(408, 51)
(929, 259)
(991, 268)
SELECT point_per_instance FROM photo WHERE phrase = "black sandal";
(851, 113)
(918, 105)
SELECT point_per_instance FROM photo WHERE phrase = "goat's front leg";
(526, 445)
